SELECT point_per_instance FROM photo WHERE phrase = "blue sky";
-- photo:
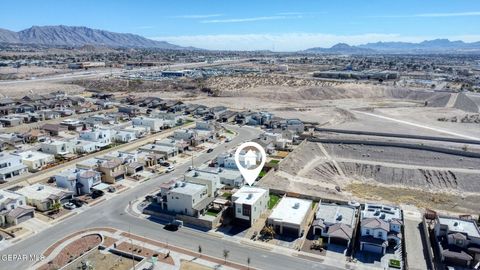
(279, 25)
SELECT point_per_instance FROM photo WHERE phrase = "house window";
(379, 234)
(459, 242)
(239, 210)
(367, 232)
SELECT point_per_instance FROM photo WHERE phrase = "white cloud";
(432, 15)
(253, 19)
(197, 16)
(292, 41)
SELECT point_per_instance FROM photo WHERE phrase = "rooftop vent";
(296, 205)
(195, 174)
(339, 217)
(184, 184)
(40, 188)
(382, 216)
(249, 196)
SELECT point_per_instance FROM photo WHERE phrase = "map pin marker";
(250, 158)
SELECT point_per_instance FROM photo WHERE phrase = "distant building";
(34, 160)
(335, 222)
(78, 181)
(184, 198)
(43, 197)
(13, 209)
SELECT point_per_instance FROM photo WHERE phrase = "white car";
(170, 169)
(69, 205)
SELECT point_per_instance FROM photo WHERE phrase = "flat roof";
(334, 213)
(248, 195)
(33, 155)
(460, 225)
(41, 192)
(188, 188)
(8, 195)
(291, 210)
(385, 212)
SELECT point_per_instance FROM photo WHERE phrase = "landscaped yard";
(212, 212)
(274, 161)
(273, 201)
(394, 263)
(227, 195)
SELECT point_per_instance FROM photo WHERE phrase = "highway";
(111, 213)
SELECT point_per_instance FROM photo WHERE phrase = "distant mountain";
(340, 48)
(77, 36)
(427, 46)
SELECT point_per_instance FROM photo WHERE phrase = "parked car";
(171, 227)
(170, 169)
(97, 193)
(210, 150)
(165, 163)
(69, 205)
(77, 202)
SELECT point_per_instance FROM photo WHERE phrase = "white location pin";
(250, 158)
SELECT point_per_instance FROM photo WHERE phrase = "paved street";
(111, 213)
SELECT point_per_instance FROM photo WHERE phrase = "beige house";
(112, 170)
(43, 197)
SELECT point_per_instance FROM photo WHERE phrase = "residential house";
(101, 136)
(380, 227)
(78, 181)
(112, 170)
(457, 241)
(290, 216)
(166, 151)
(209, 179)
(54, 129)
(10, 166)
(335, 222)
(35, 160)
(184, 198)
(249, 203)
(153, 124)
(43, 197)
(14, 209)
(58, 147)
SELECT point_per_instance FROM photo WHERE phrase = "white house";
(184, 198)
(153, 124)
(380, 227)
(78, 181)
(10, 166)
(290, 216)
(58, 147)
(209, 179)
(43, 197)
(249, 204)
(35, 160)
(124, 136)
(13, 209)
(82, 146)
(101, 136)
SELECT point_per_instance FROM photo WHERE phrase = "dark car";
(210, 150)
(171, 227)
(97, 193)
(77, 202)
(164, 163)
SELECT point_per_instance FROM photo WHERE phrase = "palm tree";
(200, 250)
(225, 254)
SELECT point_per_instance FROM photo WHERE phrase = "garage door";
(372, 248)
(25, 217)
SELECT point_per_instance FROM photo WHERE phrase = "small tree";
(56, 207)
(225, 254)
(248, 262)
(200, 250)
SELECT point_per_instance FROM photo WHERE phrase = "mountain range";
(76, 36)
(427, 46)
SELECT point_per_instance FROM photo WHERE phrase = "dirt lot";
(318, 170)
